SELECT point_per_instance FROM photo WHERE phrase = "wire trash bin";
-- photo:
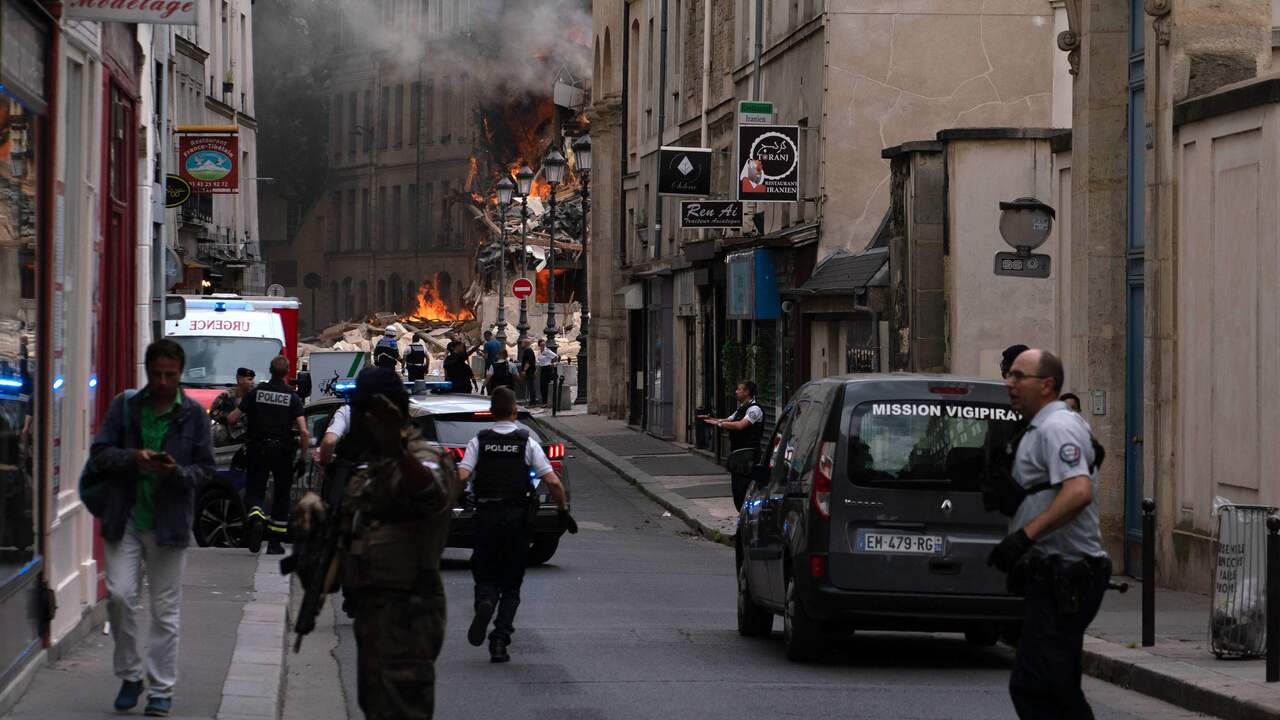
(1238, 618)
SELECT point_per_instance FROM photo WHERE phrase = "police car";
(449, 420)
(867, 513)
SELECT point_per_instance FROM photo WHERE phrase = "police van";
(867, 512)
(221, 333)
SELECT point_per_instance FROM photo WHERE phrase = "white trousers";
(125, 560)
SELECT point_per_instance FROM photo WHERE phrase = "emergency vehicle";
(223, 332)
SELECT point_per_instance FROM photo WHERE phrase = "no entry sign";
(522, 288)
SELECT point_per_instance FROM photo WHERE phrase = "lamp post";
(553, 170)
(505, 189)
(582, 154)
(524, 185)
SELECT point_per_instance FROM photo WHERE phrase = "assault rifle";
(315, 557)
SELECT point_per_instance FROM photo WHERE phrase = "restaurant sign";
(208, 163)
(152, 12)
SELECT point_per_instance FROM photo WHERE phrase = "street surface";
(634, 618)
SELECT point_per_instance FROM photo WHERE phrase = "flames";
(433, 309)
(471, 173)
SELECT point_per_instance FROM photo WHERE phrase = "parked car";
(867, 514)
(450, 420)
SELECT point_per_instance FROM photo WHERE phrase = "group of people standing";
(533, 371)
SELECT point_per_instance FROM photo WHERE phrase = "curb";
(254, 688)
(1188, 686)
(649, 485)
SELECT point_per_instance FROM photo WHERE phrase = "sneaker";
(257, 529)
(127, 698)
(498, 651)
(158, 707)
(480, 625)
(275, 548)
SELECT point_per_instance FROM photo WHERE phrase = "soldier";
(273, 410)
(395, 518)
(507, 465)
(228, 401)
(1054, 550)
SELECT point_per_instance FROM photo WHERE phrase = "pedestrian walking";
(547, 362)
(746, 428)
(504, 465)
(500, 374)
(528, 362)
(396, 505)
(152, 451)
(274, 411)
(1053, 553)
(228, 401)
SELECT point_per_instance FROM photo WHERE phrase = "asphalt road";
(634, 618)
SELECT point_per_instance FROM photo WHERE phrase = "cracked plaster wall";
(901, 70)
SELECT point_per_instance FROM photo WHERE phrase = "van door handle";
(900, 525)
(944, 567)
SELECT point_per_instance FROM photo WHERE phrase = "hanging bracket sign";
(769, 163)
(208, 163)
(684, 171)
(176, 191)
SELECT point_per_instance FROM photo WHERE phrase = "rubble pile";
(568, 227)
(363, 336)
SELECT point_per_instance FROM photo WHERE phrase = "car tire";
(802, 635)
(542, 549)
(753, 620)
(219, 519)
(982, 637)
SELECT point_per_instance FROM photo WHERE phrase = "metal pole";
(551, 329)
(1148, 572)
(1273, 599)
(501, 335)
(586, 290)
(755, 74)
(523, 325)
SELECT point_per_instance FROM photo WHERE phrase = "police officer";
(746, 428)
(415, 362)
(1054, 551)
(387, 352)
(395, 521)
(273, 410)
(504, 464)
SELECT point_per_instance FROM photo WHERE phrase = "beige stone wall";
(989, 313)
(1228, 289)
(900, 71)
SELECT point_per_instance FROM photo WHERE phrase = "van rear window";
(926, 444)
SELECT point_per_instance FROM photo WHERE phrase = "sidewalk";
(1180, 668)
(230, 654)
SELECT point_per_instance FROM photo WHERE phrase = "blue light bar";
(93, 381)
(344, 386)
(10, 382)
(58, 382)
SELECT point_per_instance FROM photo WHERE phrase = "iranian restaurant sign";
(154, 12)
(208, 163)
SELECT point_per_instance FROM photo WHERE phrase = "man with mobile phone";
(154, 449)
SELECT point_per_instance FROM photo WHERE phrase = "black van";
(867, 512)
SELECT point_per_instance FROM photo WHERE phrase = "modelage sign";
(163, 12)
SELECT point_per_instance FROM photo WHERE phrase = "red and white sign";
(209, 163)
(522, 288)
(155, 12)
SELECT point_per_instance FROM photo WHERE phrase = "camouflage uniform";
(222, 406)
(391, 576)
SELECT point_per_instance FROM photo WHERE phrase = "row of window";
(396, 218)
(351, 299)
(405, 17)
(407, 113)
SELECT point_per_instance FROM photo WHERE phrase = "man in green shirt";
(154, 449)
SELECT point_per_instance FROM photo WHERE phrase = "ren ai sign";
(152, 12)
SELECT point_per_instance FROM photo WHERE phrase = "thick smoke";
(504, 47)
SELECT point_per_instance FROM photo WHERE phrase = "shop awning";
(846, 273)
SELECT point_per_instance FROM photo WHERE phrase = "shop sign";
(154, 12)
(176, 191)
(23, 47)
(769, 163)
(755, 112)
(684, 171)
(208, 163)
(753, 286)
(710, 214)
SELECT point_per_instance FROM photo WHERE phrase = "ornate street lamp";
(553, 170)
(524, 185)
(505, 189)
(582, 154)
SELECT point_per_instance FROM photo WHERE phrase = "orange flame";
(432, 308)
(471, 174)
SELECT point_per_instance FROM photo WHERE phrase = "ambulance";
(223, 332)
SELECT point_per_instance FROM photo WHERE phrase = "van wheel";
(542, 549)
(219, 519)
(753, 620)
(801, 634)
(982, 637)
